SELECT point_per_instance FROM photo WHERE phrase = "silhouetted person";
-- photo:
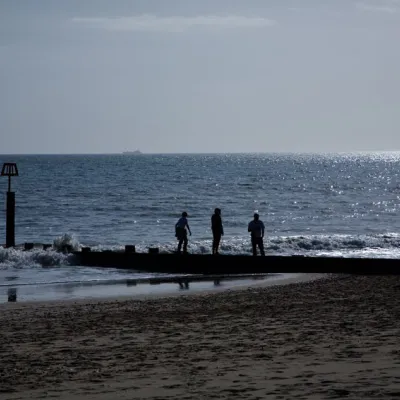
(217, 229)
(257, 228)
(181, 230)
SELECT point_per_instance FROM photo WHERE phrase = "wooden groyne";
(207, 264)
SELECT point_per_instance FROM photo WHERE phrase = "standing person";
(181, 229)
(217, 229)
(257, 228)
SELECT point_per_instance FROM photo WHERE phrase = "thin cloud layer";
(382, 8)
(153, 23)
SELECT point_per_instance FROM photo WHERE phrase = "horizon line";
(200, 153)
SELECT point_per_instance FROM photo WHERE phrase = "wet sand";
(330, 338)
(144, 288)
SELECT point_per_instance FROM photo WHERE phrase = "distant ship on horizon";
(132, 152)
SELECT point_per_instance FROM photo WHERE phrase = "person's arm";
(190, 232)
(262, 229)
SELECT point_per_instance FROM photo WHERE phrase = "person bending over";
(181, 230)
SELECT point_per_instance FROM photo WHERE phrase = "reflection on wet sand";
(185, 284)
(128, 287)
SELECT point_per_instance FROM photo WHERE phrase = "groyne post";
(10, 169)
(12, 295)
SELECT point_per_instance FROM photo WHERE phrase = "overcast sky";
(102, 76)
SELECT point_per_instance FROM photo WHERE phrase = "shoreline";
(114, 290)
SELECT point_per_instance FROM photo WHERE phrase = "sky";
(177, 76)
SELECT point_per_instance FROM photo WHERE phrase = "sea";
(344, 205)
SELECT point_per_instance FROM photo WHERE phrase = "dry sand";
(333, 338)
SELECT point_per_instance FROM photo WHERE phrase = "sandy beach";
(330, 338)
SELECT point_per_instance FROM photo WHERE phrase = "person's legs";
(214, 243)
(185, 243)
(253, 245)
(180, 237)
(180, 243)
(261, 246)
(217, 240)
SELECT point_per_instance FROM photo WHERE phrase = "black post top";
(9, 169)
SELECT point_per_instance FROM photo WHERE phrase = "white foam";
(17, 258)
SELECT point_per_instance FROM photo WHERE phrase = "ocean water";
(313, 204)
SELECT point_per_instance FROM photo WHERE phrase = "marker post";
(10, 169)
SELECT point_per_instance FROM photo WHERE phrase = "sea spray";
(60, 243)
